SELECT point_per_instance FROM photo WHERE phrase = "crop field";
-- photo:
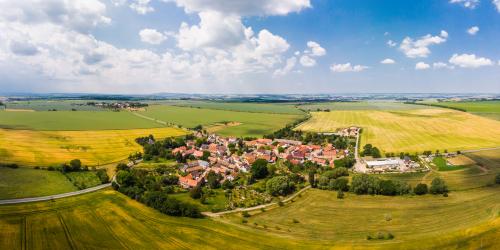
(46, 105)
(471, 176)
(44, 148)
(107, 219)
(26, 182)
(412, 130)
(73, 120)
(272, 108)
(378, 105)
(421, 222)
(490, 109)
(250, 124)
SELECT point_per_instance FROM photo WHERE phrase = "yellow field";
(42, 148)
(461, 160)
(412, 130)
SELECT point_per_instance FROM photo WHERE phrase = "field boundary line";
(57, 196)
(66, 231)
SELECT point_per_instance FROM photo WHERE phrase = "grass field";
(412, 130)
(378, 105)
(490, 109)
(26, 182)
(107, 219)
(251, 124)
(59, 105)
(73, 120)
(42, 148)
(272, 108)
(83, 180)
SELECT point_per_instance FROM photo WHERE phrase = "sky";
(250, 46)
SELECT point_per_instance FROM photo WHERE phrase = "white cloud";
(497, 4)
(469, 61)
(290, 64)
(420, 47)
(442, 65)
(422, 66)
(152, 36)
(142, 7)
(387, 61)
(244, 7)
(391, 43)
(473, 30)
(316, 49)
(347, 67)
(471, 4)
(80, 15)
(307, 61)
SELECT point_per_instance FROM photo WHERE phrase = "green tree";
(497, 179)
(340, 194)
(196, 192)
(421, 189)
(438, 186)
(312, 182)
(213, 179)
(259, 169)
(387, 187)
(76, 165)
(280, 185)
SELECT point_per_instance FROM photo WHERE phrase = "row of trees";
(368, 184)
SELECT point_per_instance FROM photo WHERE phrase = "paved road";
(57, 196)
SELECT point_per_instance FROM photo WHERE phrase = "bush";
(340, 194)
(421, 189)
(280, 185)
(245, 214)
(244, 221)
(280, 203)
(497, 179)
(438, 186)
(295, 221)
(103, 176)
(196, 192)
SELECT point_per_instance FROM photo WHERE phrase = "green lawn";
(25, 182)
(250, 124)
(214, 202)
(83, 180)
(70, 120)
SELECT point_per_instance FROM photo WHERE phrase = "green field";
(45, 148)
(84, 179)
(376, 105)
(71, 120)
(25, 182)
(490, 109)
(247, 124)
(412, 130)
(46, 105)
(272, 108)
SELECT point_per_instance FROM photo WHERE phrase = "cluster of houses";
(118, 105)
(229, 165)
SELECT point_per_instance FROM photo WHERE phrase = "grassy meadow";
(245, 123)
(26, 182)
(44, 148)
(46, 105)
(412, 130)
(73, 120)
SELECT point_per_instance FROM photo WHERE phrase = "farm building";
(383, 164)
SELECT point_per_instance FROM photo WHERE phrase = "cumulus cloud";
(473, 30)
(391, 43)
(420, 47)
(152, 36)
(422, 66)
(347, 67)
(471, 4)
(497, 4)
(307, 61)
(142, 7)
(290, 64)
(469, 61)
(387, 61)
(244, 7)
(316, 49)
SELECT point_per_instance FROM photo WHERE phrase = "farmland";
(248, 124)
(42, 148)
(489, 109)
(73, 120)
(26, 182)
(272, 108)
(375, 105)
(412, 130)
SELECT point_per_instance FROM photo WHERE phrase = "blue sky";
(250, 46)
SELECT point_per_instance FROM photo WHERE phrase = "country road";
(57, 196)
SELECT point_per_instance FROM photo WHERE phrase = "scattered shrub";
(295, 221)
(245, 214)
(421, 189)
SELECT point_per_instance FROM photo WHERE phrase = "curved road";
(57, 196)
